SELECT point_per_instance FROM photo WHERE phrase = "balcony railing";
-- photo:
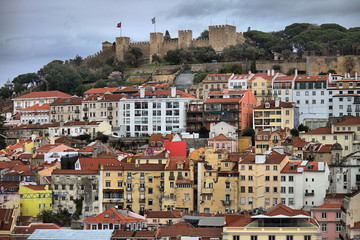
(194, 119)
(53, 112)
(77, 110)
(142, 200)
(86, 109)
(129, 200)
(110, 108)
(226, 202)
(110, 117)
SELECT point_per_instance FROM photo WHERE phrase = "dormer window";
(106, 215)
(267, 105)
(179, 166)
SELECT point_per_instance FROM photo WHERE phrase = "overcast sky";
(35, 32)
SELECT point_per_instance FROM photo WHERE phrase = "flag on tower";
(118, 25)
(153, 20)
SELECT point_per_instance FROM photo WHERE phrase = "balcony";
(77, 110)
(194, 119)
(194, 109)
(110, 108)
(142, 200)
(161, 188)
(129, 200)
(142, 189)
(86, 118)
(110, 117)
(309, 194)
(85, 109)
(53, 112)
(343, 209)
(129, 189)
(18, 107)
(226, 202)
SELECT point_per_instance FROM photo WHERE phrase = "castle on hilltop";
(220, 37)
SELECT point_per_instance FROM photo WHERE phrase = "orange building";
(232, 107)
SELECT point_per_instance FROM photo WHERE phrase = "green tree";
(155, 58)
(349, 63)
(132, 56)
(231, 68)
(3, 144)
(276, 68)
(204, 34)
(167, 36)
(204, 54)
(303, 128)
(173, 56)
(294, 132)
(297, 28)
(199, 77)
(253, 66)
(77, 60)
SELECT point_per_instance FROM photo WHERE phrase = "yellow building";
(279, 223)
(267, 139)
(260, 179)
(328, 136)
(349, 125)
(218, 180)
(149, 183)
(275, 114)
(34, 199)
(260, 86)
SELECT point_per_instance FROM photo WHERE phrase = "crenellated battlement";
(220, 36)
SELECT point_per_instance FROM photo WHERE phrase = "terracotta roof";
(298, 142)
(10, 164)
(312, 78)
(272, 105)
(6, 185)
(100, 90)
(27, 230)
(349, 121)
(281, 209)
(164, 214)
(328, 205)
(321, 130)
(272, 158)
(93, 163)
(110, 215)
(242, 221)
(45, 94)
(225, 75)
(221, 137)
(227, 91)
(35, 187)
(172, 164)
(127, 89)
(74, 123)
(136, 167)
(134, 234)
(37, 107)
(356, 225)
(292, 167)
(47, 147)
(222, 100)
(67, 101)
(160, 93)
(7, 219)
(7, 108)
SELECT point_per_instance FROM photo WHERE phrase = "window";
(250, 189)
(267, 189)
(107, 174)
(267, 201)
(253, 237)
(119, 183)
(291, 201)
(338, 227)
(227, 185)
(271, 237)
(236, 237)
(283, 178)
(307, 237)
(267, 168)
(186, 196)
(283, 189)
(291, 190)
(108, 184)
(275, 168)
(267, 178)
(250, 178)
(275, 189)
(338, 215)
(150, 190)
(323, 215)
(324, 227)
(242, 189)
(291, 178)
(289, 237)
(275, 178)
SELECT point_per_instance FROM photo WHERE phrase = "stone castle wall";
(219, 37)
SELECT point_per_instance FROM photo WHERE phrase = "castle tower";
(222, 36)
(106, 45)
(156, 41)
(122, 45)
(185, 38)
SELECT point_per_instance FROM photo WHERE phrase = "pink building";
(223, 142)
(328, 216)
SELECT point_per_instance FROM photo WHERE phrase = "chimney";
(272, 72)
(268, 72)
(277, 102)
(296, 72)
(142, 92)
(330, 76)
(356, 76)
(173, 92)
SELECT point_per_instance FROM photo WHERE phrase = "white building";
(239, 81)
(283, 88)
(223, 128)
(345, 174)
(77, 128)
(158, 111)
(304, 184)
(38, 113)
(312, 98)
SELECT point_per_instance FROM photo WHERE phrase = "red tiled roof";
(27, 230)
(281, 209)
(45, 106)
(111, 216)
(9, 184)
(100, 90)
(69, 101)
(127, 89)
(272, 105)
(47, 147)
(223, 100)
(172, 165)
(242, 221)
(356, 225)
(10, 164)
(93, 163)
(160, 93)
(200, 232)
(329, 205)
(134, 234)
(312, 78)
(45, 94)
(349, 121)
(321, 130)
(36, 187)
(164, 214)
(272, 158)
(6, 224)
(298, 142)
(315, 167)
(221, 137)
(226, 91)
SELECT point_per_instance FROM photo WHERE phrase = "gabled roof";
(67, 101)
(349, 121)
(27, 230)
(100, 90)
(329, 205)
(174, 160)
(281, 209)
(111, 215)
(312, 78)
(35, 187)
(45, 94)
(272, 158)
(37, 107)
(164, 214)
(304, 166)
(321, 130)
(272, 105)
(165, 93)
(221, 137)
(93, 163)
